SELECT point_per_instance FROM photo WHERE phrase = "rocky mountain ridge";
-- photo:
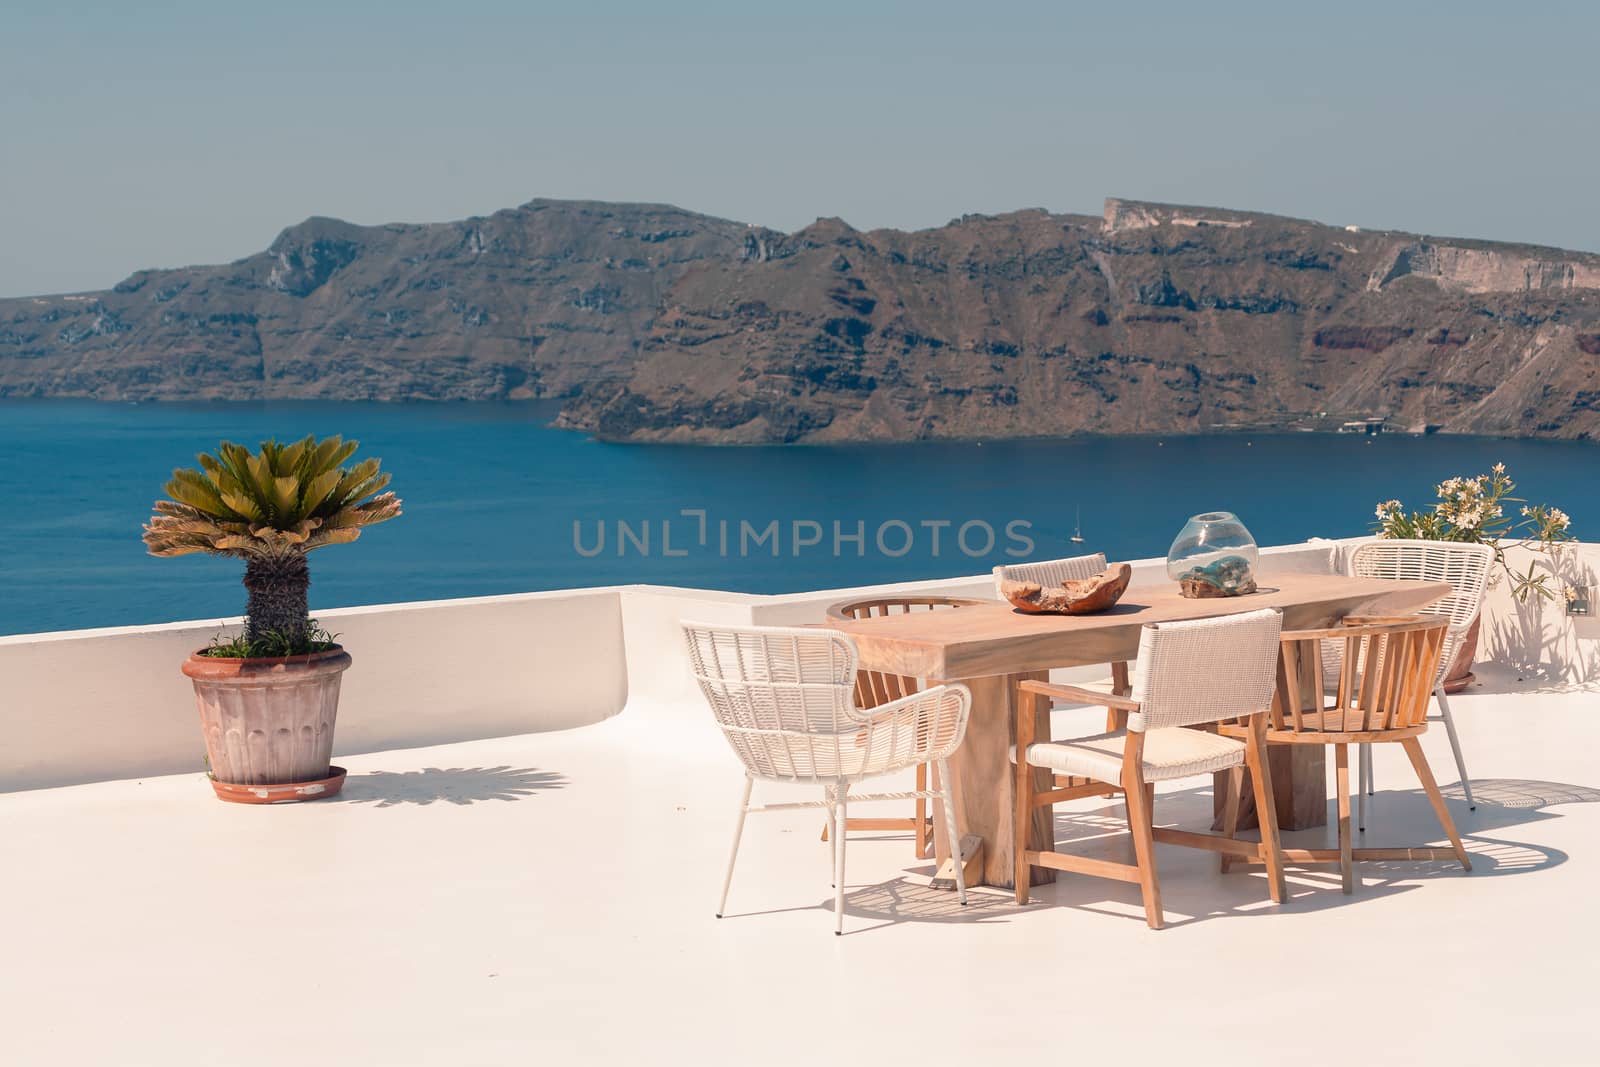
(654, 323)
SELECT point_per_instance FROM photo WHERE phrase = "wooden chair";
(785, 700)
(875, 688)
(1188, 674)
(1387, 671)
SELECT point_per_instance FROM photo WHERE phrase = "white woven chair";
(785, 699)
(1051, 571)
(1188, 674)
(1466, 568)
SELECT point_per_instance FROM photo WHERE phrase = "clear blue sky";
(161, 134)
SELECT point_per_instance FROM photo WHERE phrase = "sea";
(497, 500)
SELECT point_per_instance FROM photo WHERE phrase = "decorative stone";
(1228, 576)
(1083, 597)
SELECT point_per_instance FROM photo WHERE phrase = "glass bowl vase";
(1213, 555)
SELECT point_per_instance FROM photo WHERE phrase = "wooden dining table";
(991, 647)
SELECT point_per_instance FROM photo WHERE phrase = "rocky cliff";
(659, 324)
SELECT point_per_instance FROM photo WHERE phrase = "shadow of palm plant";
(453, 785)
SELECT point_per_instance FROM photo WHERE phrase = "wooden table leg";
(1299, 772)
(984, 788)
(1299, 785)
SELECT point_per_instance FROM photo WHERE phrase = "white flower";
(1526, 511)
(1499, 468)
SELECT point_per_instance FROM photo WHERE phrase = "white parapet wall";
(1534, 634)
(95, 705)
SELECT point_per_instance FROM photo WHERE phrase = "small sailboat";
(1077, 528)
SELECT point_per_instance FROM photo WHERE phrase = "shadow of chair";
(453, 785)
(1210, 895)
(1525, 793)
(1502, 802)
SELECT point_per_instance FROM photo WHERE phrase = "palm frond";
(276, 500)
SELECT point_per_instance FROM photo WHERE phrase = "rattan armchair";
(785, 700)
(1466, 567)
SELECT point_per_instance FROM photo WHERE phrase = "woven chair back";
(1465, 566)
(1051, 571)
(1207, 670)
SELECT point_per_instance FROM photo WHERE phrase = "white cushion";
(1173, 752)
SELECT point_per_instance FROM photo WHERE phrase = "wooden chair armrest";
(1379, 620)
(1080, 695)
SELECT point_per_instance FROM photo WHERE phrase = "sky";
(168, 133)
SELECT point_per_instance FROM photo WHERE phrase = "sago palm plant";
(269, 508)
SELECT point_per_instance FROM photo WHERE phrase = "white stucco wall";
(1536, 637)
(92, 705)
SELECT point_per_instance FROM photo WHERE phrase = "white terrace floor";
(548, 898)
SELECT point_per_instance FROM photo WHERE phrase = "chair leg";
(954, 836)
(839, 817)
(1230, 812)
(1144, 847)
(924, 827)
(1347, 872)
(829, 830)
(733, 854)
(1022, 822)
(1413, 749)
(1455, 745)
(1363, 765)
(1116, 719)
(1255, 755)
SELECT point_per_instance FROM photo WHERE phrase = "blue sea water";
(493, 494)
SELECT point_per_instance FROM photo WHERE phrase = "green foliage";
(278, 500)
(1474, 510)
(272, 643)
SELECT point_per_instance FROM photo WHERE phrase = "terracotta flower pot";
(268, 723)
(1459, 676)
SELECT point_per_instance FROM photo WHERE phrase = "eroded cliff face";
(1151, 319)
(1486, 270)
(660, 324)
(527, 302)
